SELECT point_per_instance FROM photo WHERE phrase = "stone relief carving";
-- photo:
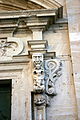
(45, 75)
(38, 72)
(38, 60)
(39, 99)
(52, 73)
(3, 45)
(46, 72)
(10, 46)
(39, 106)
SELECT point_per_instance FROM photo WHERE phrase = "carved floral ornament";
(10, 46)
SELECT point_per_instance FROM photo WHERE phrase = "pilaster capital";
(37, 46)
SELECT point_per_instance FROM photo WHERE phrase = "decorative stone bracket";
(52, 73)
(46, 71)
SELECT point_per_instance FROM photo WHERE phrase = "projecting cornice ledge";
(31, 18)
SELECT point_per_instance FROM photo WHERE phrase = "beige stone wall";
(73, 8)
(63, 106)
(20, 75)
(64, 39)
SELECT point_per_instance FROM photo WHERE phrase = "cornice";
(27, 13)
(27, 19)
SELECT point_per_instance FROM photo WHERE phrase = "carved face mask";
(37, 60)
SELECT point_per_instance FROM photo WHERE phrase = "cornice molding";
(28, 19)
(27, 13)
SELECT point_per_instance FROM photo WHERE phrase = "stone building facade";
(39, 60)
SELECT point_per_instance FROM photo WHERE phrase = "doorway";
(5, 99)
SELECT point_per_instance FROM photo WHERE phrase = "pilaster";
(45, 72)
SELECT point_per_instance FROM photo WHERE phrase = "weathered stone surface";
(19, 33)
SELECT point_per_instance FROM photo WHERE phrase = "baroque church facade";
(39, 60)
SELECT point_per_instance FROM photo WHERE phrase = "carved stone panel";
(39, 107)
(38, 72)
(10, 47)
(52, 72)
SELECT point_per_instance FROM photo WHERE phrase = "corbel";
(46, 69)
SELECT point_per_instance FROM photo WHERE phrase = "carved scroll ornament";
(11, 46)
(52, 73)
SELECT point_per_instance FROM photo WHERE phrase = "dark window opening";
(5, 99)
